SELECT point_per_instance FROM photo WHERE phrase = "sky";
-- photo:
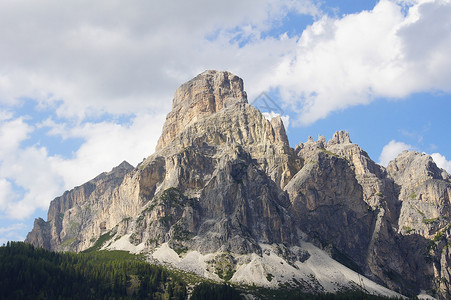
(85, 85)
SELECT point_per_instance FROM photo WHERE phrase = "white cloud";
(393, 148)
(285, 119)
(43, 176)
(109, 57)
(6, 192)
(12, 133)
(88, 59)
(122, 58)
(442, 162)
(391, 151)
(108, 144)
(385, 52)
(12, 233)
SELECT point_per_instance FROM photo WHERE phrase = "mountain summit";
(226, 197)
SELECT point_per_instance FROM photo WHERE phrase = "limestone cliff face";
(224, 181)
(216, 176)
(393, 224)
(425, 192)
(82, 214)
(204, 95)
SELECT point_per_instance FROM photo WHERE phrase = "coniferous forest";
(27, 272)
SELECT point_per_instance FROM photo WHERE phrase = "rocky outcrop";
(327, 201)
(208, 93)
(214, 146)
(81, 214)
(40, 234)
(425, 192)
(225, 184)
(384, 222)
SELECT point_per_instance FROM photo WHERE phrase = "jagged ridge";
(224, 185)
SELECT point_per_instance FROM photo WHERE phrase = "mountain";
(226, 197)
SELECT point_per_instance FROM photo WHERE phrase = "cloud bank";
(391, 151)
(396, 49)
(442, 162)
(96, 63)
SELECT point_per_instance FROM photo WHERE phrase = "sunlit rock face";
(225, 186)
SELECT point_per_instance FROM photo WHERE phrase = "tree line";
(27, 272)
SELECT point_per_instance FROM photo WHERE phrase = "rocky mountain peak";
(225, 194)
(412, 168)
(279, 129)
(123, 166)
(207, 93)
(340, 137)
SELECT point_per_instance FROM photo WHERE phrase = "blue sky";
(84, 86)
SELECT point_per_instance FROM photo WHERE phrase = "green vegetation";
(67, 243)
(148, 209)
(165, 219)
(180, 234)
(413, 196)
(408, 229)
(439, 237)
(208, 291)
(225, 267)
(180, 249)
(27, 272)
(269, 277)
(430, 221)
(330, 153)
(225, 273)
(74, 226)
(172, 197)
(99, 243)
(418, 210)
(296, 294)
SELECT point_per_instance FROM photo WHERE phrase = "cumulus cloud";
(393, 148)
(396, 49)
(6, 192)
(108, 57)
(90, 59)
(12, 233)
(122, 58)
(43, 176)
(12, 132)
(391, 151)
(106, 145)
(442, 162)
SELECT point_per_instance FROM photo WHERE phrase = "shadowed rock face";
(224, 179)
